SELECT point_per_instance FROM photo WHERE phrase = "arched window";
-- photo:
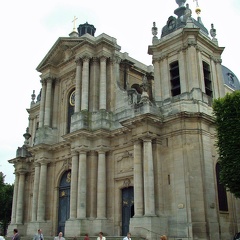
(71, 104)
(222, 195)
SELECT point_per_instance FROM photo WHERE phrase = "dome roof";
(230, 79)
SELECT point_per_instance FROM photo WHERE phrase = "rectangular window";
(175, 79)
(207, 79)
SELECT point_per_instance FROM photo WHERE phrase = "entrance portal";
(127, 208)
(64, 200)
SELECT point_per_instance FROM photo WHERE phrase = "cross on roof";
(74, 23)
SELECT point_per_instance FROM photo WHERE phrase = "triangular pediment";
(61, 51)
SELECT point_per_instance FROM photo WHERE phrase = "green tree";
(227, 118)
(6, 197)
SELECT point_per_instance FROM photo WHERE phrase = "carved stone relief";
(124, 162)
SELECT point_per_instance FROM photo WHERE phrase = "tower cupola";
(86, 28)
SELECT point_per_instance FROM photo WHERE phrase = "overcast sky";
(30, 28)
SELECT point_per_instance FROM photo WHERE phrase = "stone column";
(182, 71)
(101, 186)
(74, 186)
(30, 127)
(35, 192)
(78, 85)
(149, 196)
(42, 103)
(95, 84)
(15, 196)
(92, 185)
(157, 81)
(55, 104)
(42, 193)
(82, 185)
(111, 93)
(47, 116)
(85, 84)
(192, 67)
(219, 77)
(20, 195)
(138, 179)
(164, 71)
(103, 83)
(33, 131)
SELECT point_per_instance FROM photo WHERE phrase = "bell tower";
(187, 62)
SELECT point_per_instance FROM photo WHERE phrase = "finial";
(213, 34)
(26, 135)
(198, 9)
(213, 31)
(154, 30)
(74, 23)
(33, 96)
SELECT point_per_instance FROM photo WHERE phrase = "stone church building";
(114, 145)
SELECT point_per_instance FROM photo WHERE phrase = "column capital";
(86, 58)
(115, 59)
(43, 162)
(95, 60)
(56, 81)
(36, 164)
(103, 57)
(48, 79)
(78, 61)
(148, 137)
(102, 149)
(74, 153)
(43, 81)
(82, 149)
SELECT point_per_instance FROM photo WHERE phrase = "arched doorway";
(127, 208)
(64, 200)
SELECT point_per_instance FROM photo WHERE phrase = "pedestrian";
(86, 237)
(100, 236)
(16, 235)
(59, 237)
(38, 235)
(163, 237)
(128, 237)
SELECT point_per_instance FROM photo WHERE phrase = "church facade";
(114, 145)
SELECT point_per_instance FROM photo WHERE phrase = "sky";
(30, 28)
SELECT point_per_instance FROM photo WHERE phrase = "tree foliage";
(6, 197)
(227, 113)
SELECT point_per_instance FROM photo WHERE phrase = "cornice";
(185, 115)
(142, 120)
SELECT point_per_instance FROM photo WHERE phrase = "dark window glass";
(207, 79)
(175, 79)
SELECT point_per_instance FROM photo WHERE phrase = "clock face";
(172, 24)
(72, 98)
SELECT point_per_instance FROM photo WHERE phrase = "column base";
(19, 226)
(46, 227)
(79, 227)
(148, 227)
